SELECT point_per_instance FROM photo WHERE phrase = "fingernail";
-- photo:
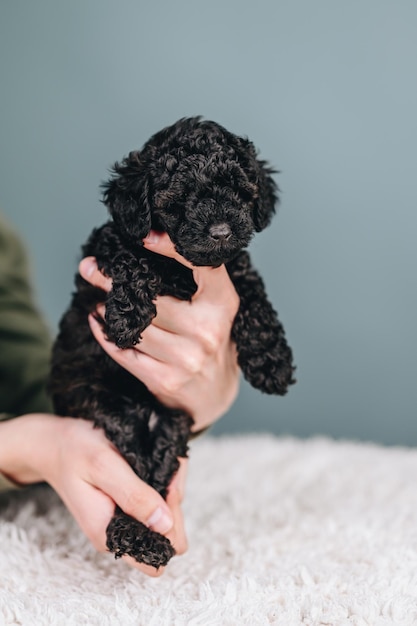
(152, 237)
(160, 521)
(89, 266)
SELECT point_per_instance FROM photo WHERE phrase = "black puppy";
(208, 190)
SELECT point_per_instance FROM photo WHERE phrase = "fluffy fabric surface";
(281, 532)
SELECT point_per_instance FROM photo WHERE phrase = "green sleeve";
(24, 338)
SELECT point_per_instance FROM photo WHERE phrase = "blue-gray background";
(327, 90)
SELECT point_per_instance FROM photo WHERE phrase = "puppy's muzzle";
(220, 232)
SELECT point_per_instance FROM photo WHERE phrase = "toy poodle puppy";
(209, 191)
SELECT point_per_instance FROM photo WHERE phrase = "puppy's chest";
(174, 279)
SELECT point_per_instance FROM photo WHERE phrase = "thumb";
(112, 475)
(90, 272)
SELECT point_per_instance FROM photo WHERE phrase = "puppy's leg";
(263, 353)
(125, 535)
(129, 433)
(133, 435)
(170, 432)
(135, 285)
(130, 304)
(128, 426)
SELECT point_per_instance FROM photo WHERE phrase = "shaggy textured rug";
(281, 531)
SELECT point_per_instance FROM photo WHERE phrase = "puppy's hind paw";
(126, 535)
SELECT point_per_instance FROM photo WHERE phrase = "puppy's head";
(199, 183)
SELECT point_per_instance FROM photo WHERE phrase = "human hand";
(186, 357)
(90, 476)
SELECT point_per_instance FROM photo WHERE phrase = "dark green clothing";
(24, 339)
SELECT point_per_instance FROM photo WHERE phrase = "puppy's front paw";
(124, 324)
(272, 376)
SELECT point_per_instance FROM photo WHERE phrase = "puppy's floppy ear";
(264, 206)
(127, 196)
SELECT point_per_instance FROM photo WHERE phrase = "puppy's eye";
(249, 194)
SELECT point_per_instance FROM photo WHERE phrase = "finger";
(169, 347)
(93, 513)
(161, 244)
(90, 272)
(179, 480)
(140, 365)
(175, 497)
(92, 510)
(177, 535)
(200, 322)
(159, 376)
(110, 473)
(147, 368)
(164, 339)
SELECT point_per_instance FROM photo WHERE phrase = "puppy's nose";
(220, 232)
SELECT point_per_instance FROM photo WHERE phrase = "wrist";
(210, 412)
(24, 447)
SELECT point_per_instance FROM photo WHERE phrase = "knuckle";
(171, 384)
(192, 361)
(210, 338)
(133, 502)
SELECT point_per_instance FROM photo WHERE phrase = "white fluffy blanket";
(281, 532)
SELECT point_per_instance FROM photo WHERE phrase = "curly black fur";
(208, 190)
